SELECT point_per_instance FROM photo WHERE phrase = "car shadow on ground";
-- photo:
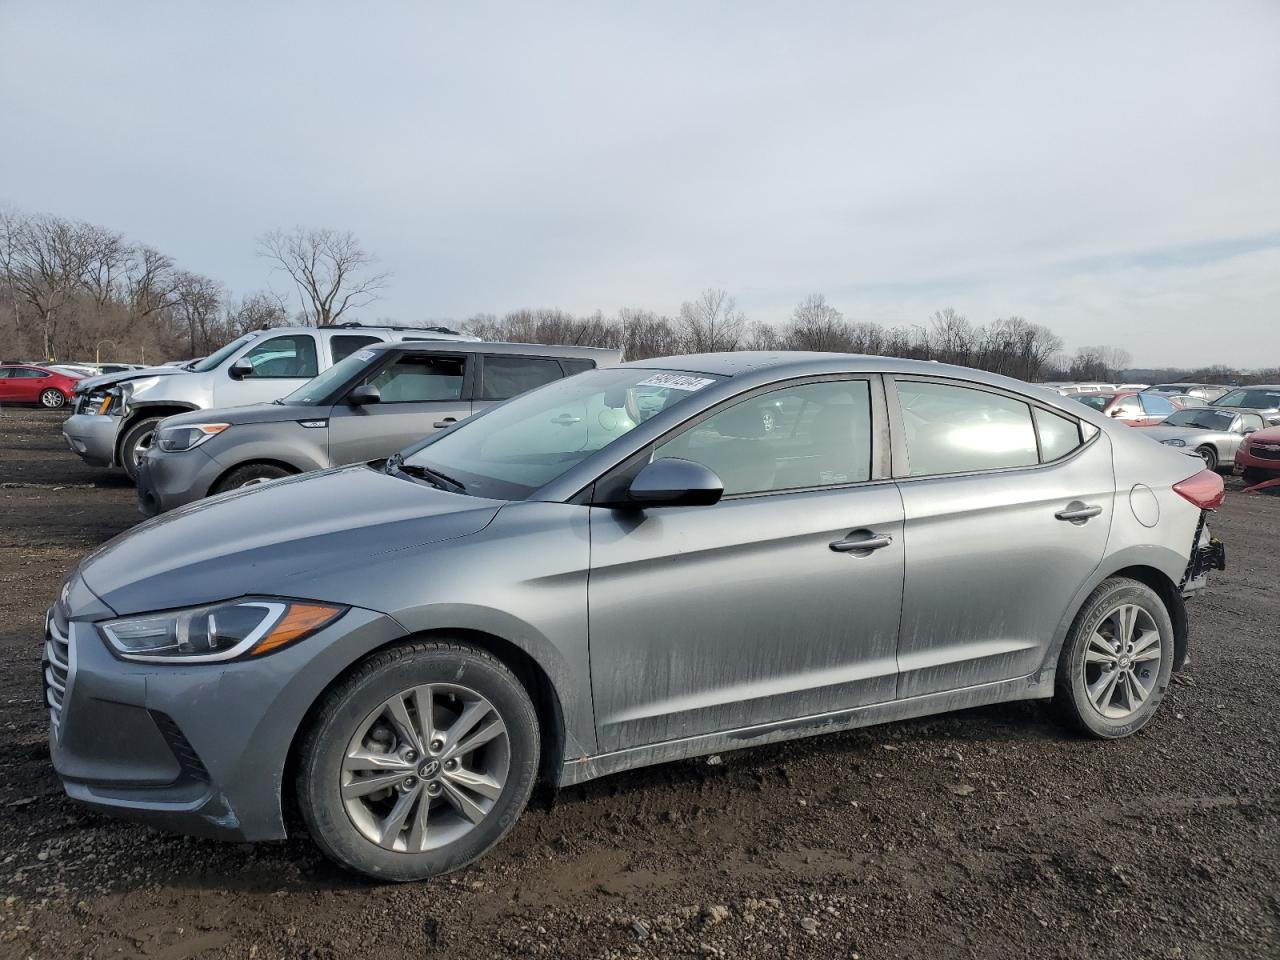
(296, 866)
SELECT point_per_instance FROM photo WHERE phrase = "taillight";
(1205, 490)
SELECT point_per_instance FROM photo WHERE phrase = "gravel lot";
(979, 834)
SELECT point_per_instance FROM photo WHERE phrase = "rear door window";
(954, 429)
(344, 345)
(504, 377)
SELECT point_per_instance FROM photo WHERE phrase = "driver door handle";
(860, 541)
(1077, 512)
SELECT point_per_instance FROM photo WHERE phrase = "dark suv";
(377, 401)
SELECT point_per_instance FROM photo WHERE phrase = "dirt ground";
(988, 833)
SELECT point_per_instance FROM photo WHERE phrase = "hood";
(111, 379)
(1269, 435)
(1188, 434)
(253, 413)
(275, 538)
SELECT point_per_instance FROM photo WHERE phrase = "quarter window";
(418, 379)
(1058, 435)
(504, 377)
(292, 356)
(952, 429)
(814, 435)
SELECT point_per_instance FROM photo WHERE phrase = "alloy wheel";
(1122, 662)
(52, 399)
(425, 767)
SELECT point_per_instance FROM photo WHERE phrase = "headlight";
(1175, 442)
(176, 439)
(222, 631)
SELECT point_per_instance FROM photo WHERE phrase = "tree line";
(73, 290)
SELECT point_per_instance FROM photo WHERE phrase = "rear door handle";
(441, 424)
(1077, 512)
(860, 541)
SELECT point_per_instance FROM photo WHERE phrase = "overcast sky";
(1109, 169)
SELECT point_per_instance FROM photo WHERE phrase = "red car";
(1129, 406)
(1258, 457)
(26, 383)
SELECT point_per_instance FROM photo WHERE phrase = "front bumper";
(169, 480)
(92, 437)
(1259, 459)
(197, 749)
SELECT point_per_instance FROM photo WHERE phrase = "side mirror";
(671, 482)
(363, 394)
(1249, 430)
(1116, 412)
(240, 369)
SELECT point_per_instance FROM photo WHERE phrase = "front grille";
(57, 666)
(1269, 452)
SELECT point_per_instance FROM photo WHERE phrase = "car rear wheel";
(53, 399)
(418, 762)
(1209, 456)
(136, 442)
(1115, 664)
(250, 475)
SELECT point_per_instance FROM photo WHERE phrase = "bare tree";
(712, 322)
(645, 334)
(198, 299)
(49, 264)
(329, 268)
(816, 325)
(257, 311)
(107, 258)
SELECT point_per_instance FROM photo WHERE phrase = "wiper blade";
(442, 481)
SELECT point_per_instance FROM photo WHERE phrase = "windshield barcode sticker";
(364, 355)
(675, 381)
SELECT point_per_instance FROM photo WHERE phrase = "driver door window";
(814, 435)
(419, 379)
(289, 357)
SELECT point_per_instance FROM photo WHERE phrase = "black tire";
(1253, 476)
(347, 706)
(53, 399)
(134, 444)
(1071, 699)
(1209, 455)
(250, 473)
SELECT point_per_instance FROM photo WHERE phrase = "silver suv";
(366, 407)
(114, 417)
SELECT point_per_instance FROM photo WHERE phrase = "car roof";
(514, 349)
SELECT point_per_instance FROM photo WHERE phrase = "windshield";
(1259, 399)
(1203, 418)
(1098, 401)
(527, 442)
(215, 359)
(318, 389)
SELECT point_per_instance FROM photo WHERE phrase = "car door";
(1127, 409)
(419, 394)
(8, 384)
(280, 365)
(503, 377)
(1154, 408)
(760, 608)
(1007, 507)
(1244, 424)
(28, 383)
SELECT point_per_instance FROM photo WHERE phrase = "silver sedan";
(1213, 434)
(633, 565)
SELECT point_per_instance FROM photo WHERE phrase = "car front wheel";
(136, 442)
(1116, 661)
(1210, 457)
(418, 762)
